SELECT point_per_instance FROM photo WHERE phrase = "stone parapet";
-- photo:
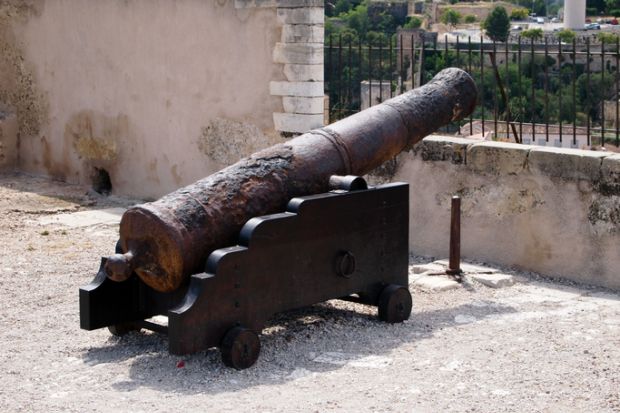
(550, 210)
(497, 158)
(567, 163)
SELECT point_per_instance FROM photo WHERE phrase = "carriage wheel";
(394, 304)
(240, 348)
(123, 328)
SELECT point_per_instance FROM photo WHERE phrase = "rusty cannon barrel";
(166, 241)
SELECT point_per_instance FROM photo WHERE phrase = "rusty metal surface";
(454, 266)
(166, 241)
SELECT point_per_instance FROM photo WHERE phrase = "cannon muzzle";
(166, 241)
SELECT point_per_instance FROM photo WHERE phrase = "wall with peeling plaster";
(550, 210)
(158, 93)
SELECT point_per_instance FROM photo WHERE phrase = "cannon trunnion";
(349, 243)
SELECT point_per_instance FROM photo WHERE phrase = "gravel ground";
(539, 345)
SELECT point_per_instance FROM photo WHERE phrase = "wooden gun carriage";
(288, 227)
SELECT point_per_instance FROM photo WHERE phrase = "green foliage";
(606, 37)
(354, 16)
(471, 18)
(450, 17)
(413, 23)
(533, 34)
(342, 6)
(566, 35)
(519, 14)
(599, 5)
(591, 91)
(539, 7)
(553, 9)
(497, 24)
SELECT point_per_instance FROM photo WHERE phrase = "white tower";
(574, 14)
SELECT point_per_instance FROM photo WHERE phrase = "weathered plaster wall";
(157, 92)
(8, 141)
(551, 210)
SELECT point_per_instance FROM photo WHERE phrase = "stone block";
(433, 282)
(469, 268)
(571, 164)
(303, 33)
(296, 123)
(301, 73)
(303, 15)
(497, 158)
(310, 106)
(610, 175)
(248, 4)
(443, 148)
(301, 53)
(304, 89)
(428, 268)
(8, 141)
(494, 280)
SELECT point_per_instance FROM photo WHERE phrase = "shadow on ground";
(290, 344)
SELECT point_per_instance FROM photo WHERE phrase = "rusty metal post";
(166, 241)
(454, 267)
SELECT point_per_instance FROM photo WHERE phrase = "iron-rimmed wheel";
(123, 328)
(394, 304)
(240, 348)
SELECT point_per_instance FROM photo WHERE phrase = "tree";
(413, 23)
(342, 6)
(612, 5)
(451, 17)
(607, 38)
(566, 35)
(533, 34)
(497, 24)
(519, 14)
(471, 18)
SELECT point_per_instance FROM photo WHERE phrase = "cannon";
(289, 226)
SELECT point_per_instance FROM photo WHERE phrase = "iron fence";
(541, 91)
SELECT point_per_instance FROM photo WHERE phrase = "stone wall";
(300, 52)
(550, 210)
(157, 93)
